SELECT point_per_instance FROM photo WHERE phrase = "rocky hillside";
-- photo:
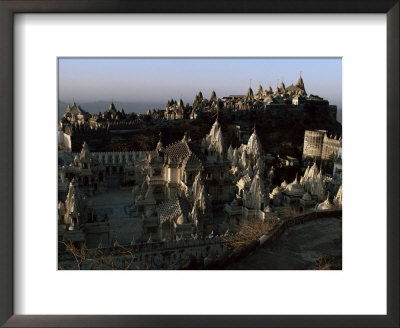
(281, 131)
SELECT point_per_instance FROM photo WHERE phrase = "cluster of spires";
(198, 99)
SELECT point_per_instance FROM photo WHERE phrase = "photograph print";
(199, 164)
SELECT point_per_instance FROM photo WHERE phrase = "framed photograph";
(183, 164)
(156, 184)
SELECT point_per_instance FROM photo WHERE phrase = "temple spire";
(160, 146)
(185, 137)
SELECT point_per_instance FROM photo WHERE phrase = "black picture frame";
(7, 10)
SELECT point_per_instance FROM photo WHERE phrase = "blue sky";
(159, 79)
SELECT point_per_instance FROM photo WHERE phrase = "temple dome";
(295, 188)
(326, 205)
(267, 209)
(276, 191)
(284, 184)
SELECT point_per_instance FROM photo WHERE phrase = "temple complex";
(177, 189)
(77, 125)
(182, 197)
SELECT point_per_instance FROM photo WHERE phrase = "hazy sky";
(159, 79)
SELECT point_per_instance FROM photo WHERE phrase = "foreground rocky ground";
(309, 246)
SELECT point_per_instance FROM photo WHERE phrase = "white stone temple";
(177, 189)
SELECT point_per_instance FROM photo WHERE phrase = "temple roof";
(276, 191)
(268, 99)
(75, 109)
(300, 83)
(293, 88)
(244, 181)
(172, 209)
(325, 205)
(311, 172)
(192, 161)
(200, 196)
(213, 96)
(181, 150)
(295, 188)
(214, 139)
(254, 145)
(249, 93)
(244, 160)
(73, 201)
(112, 108)
(256, 193)
(338, 198)
(178, 150)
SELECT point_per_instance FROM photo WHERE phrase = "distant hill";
(101, 106)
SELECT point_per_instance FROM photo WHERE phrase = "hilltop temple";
(77, 125)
